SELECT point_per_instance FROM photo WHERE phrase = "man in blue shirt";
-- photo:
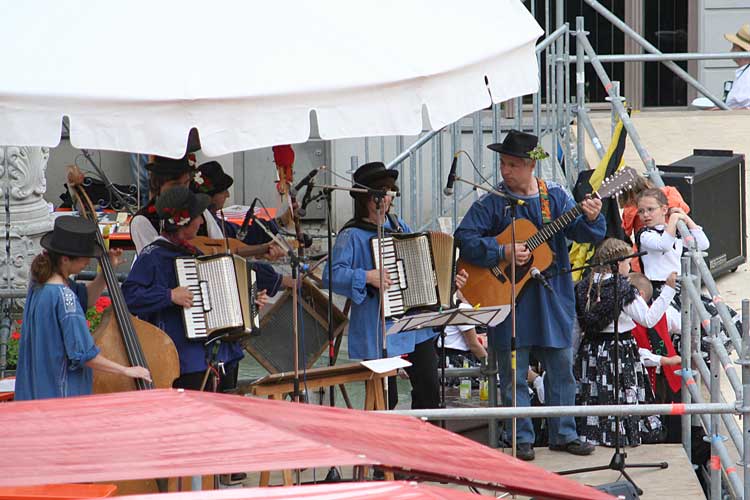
(544, 318)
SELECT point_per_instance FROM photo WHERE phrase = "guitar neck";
(554, 227)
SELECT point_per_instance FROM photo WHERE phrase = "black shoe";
(575, 447)
(525, 452)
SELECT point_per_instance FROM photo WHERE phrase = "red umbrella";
(167, 433)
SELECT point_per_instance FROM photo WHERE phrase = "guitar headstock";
(623, 180)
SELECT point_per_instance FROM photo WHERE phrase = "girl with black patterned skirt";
(594, 363)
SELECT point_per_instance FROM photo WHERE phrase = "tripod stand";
(618, 460)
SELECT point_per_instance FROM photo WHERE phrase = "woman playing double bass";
(57, 352)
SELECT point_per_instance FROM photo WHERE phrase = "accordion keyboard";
(409, 266)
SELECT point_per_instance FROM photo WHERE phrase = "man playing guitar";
(544, 317)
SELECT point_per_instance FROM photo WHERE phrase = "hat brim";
(46, 243)
(365, 181)
(223, 183)
(498, 148)
(731, 37)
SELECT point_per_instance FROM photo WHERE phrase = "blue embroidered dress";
(147, 292)
(544, 319)
(351, 259)
(55, 344)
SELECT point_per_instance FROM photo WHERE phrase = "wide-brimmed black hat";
(516, 143)
(72, 236)
(214, 179)
(178, 206)
(368, 173)
(169, 166)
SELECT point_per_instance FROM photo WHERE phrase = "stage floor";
(677, 481)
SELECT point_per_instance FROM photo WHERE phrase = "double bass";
(125, 339)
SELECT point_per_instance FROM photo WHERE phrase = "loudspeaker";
(619, 489)
(712, 182)
(274, 347)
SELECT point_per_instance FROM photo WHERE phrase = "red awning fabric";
(377, 490)
(168, 433)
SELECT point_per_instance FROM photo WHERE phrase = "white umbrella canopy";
(137, 75)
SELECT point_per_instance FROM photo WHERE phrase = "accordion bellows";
(421, 267)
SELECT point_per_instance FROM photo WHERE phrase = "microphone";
(537, 275)
(304, 182)
(250, 214)
(306, 199)
(448, 191)
(620, 259)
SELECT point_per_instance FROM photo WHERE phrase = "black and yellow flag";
(590, 181)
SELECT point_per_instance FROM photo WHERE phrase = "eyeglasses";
(647, 210)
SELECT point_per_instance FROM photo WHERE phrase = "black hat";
(178, 206)
(215, 180)
(169, 167)
(72, 236)
(368, 173)
(516, 143)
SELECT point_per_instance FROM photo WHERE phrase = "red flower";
(15, 335)
(104, 302)
(151, 209)
(88, 323)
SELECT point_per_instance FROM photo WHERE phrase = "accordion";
(224, 292)
(421, 267)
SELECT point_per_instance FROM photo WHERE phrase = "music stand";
(480, 316)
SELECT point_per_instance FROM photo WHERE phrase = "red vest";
(646, 341)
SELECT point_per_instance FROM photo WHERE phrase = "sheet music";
(385, 365)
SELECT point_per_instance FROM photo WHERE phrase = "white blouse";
(664, 252)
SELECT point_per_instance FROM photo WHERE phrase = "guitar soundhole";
(521, 271)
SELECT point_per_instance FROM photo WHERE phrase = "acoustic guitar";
(213, 246)
(492, 287)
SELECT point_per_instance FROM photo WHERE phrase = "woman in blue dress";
(57, 352)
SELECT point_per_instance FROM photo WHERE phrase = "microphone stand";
(512, 202)
(326, 194)
(617, 462)
(296, 263)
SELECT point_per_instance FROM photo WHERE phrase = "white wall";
(719, 17)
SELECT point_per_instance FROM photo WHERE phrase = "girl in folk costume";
(57, 352)
(660, 239)
(631, 221)
(594, 365)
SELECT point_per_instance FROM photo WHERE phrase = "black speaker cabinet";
(712, 182)
(274, 347)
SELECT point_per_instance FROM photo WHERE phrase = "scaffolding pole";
(616, 21)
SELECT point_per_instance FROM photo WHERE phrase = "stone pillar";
(22, 178)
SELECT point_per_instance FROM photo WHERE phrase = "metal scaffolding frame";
(551, 115)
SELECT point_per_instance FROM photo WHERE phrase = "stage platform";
(677, 481)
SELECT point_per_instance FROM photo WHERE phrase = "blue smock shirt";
(55, 344)
(351, 259)
(148, 294)
(544, 319)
